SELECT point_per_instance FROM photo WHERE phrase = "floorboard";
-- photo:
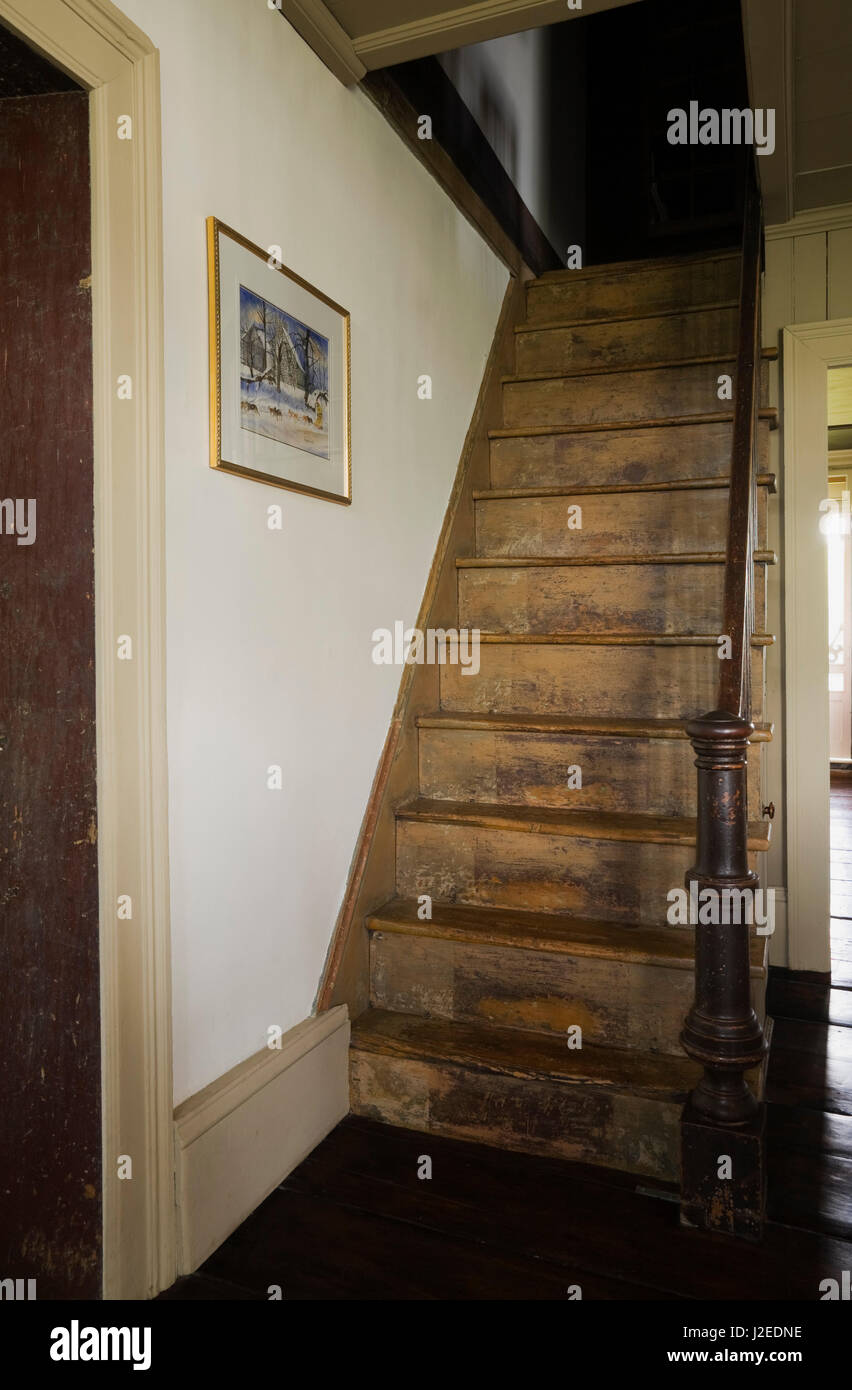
(355, 1222)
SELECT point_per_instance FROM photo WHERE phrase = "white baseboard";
(236, 1140)
(778, 941)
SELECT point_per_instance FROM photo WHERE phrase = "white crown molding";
(326, 37)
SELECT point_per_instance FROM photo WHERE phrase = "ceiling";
(354, 37)
(800, 58)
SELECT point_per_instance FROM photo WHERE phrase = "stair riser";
(663, 453)
(534, 769)
(624, 292)
(645, 395)
(599, 598)
(614, 880)
(633, 682)
(584, 1123)
(625, 343)
(628, 523)
(615, 1003)
(621, 1004)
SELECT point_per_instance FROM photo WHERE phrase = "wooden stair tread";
(638, 943)
(618, 639)
(466, 1033)
(484, 562)
(512, 1052)
(722, 417)
(511, 494)
(591, 272)
(545, 820)
(566, 724)
(549, 325)
(767, 354)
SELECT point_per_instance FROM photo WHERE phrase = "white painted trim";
(439, 30)
(778, 943)
(831, 219)
(768, 28)
(808, 350)
(102, 49)
(327, 38)
(237, 1140)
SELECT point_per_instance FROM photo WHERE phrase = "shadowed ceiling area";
(357, 36)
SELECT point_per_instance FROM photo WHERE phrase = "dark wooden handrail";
(722, 1030)
(734, 677)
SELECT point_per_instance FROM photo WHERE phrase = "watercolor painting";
(283, 376)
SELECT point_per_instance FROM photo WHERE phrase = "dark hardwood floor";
(355, 1221)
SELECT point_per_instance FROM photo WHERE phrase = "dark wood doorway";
(50, 1141)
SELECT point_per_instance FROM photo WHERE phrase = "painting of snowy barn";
(283, 376)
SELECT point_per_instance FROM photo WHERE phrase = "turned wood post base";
(722, 1153)
(723, 1177)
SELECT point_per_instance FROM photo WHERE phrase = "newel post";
(722, 1153)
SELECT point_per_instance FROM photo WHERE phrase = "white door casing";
(106, 53)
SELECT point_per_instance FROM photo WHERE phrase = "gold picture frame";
(282, 414)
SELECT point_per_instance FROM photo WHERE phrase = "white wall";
(269, 646)
(510, 76)
(526, 92)
(808, 279)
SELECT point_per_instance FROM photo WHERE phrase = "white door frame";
(98, 46)
(808, 350)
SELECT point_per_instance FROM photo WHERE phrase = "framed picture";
(279, 372)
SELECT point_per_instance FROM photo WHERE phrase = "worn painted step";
(676, 677)
(601, 397)
(622, 764)
(669, 518)
(665, 594)
(495, 1086)
(599, 292)
(616, 866)
(655, 450)
(625, 987)
(626, 341)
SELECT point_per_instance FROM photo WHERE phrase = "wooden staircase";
(548, 898)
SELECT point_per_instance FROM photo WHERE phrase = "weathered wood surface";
(549, 900)
(672, 522)
(670, 597)
(619, 1109)
(50, 1133)
(661, 945)
(694, 333)
(601, 398)
(616, 1003)
(546, 871)
(540, 769)
(539, 677)
(625, 289)
(652, 453)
